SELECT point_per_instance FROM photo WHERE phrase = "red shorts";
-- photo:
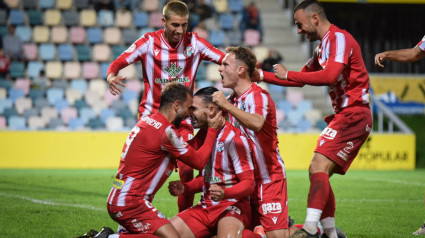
(203, 221)
(270, 205)
(141, 218)
(345, 134)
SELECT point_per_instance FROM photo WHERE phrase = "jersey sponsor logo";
(188, 51)
(177, 80)
(329, 133)
(169, 173)
(220, 147)
(151, 122)
(131, 48)
(233, 210)
(156, 51)
(343, 154)
(140, 226)
(173, 71)
(118, 183)
(212, 179)
(271, 207)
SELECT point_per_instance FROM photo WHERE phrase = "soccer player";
(251, 109)
(404, 55)
(226, 181)
(168, 55)
(148, 158)
(337, 62)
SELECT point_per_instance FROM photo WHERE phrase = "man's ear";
(315, 19)
(212, 110)
(176, 105)
(241, 70)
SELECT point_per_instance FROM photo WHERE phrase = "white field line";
(397, 181)
(47, 202)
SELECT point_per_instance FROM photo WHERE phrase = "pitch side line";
(46, 202)
(398, 182)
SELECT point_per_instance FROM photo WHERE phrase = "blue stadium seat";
(36, 93)
(119, 104)
(30, 112)
(129, 95)
(140, 19)
(129, 36)
(83, 52)
(125, 113)
(4, 104)
(3, 17)
(217, 38)
(6, 83)
(104, 69)
(96, 124)
(24, 32)
(79, 104)
(60, 83)
(41, 102)
(10, 112)
(3, 30)
(321, 124)
(35, 17)
(234, 37)
(60, 104)
(284, 105)
(94, 35)
(66, 52)
(145, 30)
(29, 4)
(81, 4)
(86, 114)
(227, 21)
(200, 74)
(17, 69)
(304, 106)
(130, 122)
(236, 6)
(106, 113)
(70, 18)
(15, 93)
(47, 4)
(54, 94)
(303, 125)
(17, 123)
(54, 123)
(16, 17)
(75, 123)
(105, 18)
(79, 84)
(117, 50)
(34, 68)
(47, 51)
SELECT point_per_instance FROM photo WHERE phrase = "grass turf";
(66, 203)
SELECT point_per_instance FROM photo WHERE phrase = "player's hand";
(379, 59)
(280, 71)
(216, 193)
(217, 121)
(114, 83)
(219, 99)
(176, 188)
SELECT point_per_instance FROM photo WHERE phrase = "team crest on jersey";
(131, 48)
(188, 51)
(220, 147)
(243, 106)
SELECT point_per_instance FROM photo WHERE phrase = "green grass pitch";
(66, 203)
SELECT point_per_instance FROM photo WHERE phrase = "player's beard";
(178, 120)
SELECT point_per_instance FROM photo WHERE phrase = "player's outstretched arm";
(404, 55)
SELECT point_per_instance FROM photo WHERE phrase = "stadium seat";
(30, 112)
(220, 6)
(150, 6)
(129, 95)
(41, 34)
(52, 17)
(4, 104)
(3, 93)
(284, 105)
(294, 117)
(3, 30)
(105, 18)
(119, 104)
(22, 103)
(60, 83)
(130, 122)
(211, 24)
(202, 32)
(68, 113)
(80, 104)
(72, 95)
(155, 20)
(10, 112)
(3, 124)
(109, 98)
(86, 114)
(47, 113)
(106, 113)
(53, 69)
(212, 72)
(90, 70)
(30, 51)
(61, 104)
(251, 37)
(36, 93)
(41, 103)
(35, 17)
(83, 52)
(96, 124)
(59, 34)
(313, 115)
(76, 123)
(55, 123)
(117, 50)
(17, 69)
(88, 17)
(135, 85)
(145, 30)
(66, 52)
(98, 105)
(29, 4)
(77, 35)
(64, 4)
(3, 17)
(261, 52)
(140, 19)
(93, 97)
(304, 106)
(236, 6)
(98, 85)
(104, 69)
(23, 84)
(46, 4)
(71, 18)
(129, 72)
(54, 94)
(79, 84)
(112, 35)
(94, 35)
(227, 21)
(24, 32)
(6, 83)
(217, 38)
(123, 18)
(114, 124)
(72, 69)
(16, 17)
(81, 4)
(129, 36)
(47, 51)
(17, 123)
(101, 52)
(294, 96)
(36, 123)
(125, 113)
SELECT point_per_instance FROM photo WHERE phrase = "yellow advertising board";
(103, 150)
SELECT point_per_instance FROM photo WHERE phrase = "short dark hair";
(312, 6)
(245, 55)
(206, 94)
(173, 92)
(175, 7)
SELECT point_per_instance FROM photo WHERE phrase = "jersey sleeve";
(181, 150)
(421, 44)
(243, 188)
(129, 56)
(269, 77)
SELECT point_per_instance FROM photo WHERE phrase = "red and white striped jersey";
(352, 86)
(268, 163)
(162, 63)
(231, 156)
(148, 159)
(421, 44)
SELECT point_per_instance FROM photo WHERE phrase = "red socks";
(319, 191)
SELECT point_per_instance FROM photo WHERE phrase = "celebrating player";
(337, 62)
(168, 55)
(148, 158)
(404, 55)
(226, 181)
(251, 109)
